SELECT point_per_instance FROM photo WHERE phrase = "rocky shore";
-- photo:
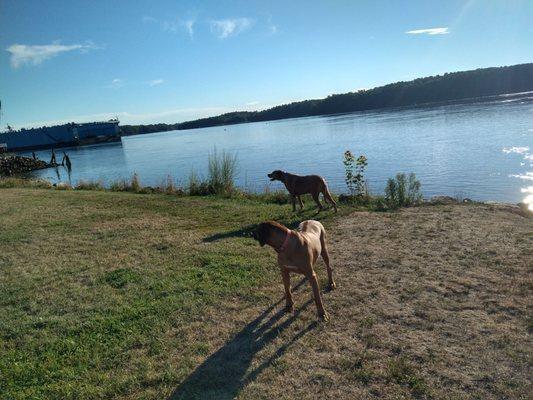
(13, 164)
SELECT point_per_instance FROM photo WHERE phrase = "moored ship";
(71, 134)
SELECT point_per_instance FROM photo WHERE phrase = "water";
(482, 151)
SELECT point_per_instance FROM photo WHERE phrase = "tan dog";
(298, 185)
(298, 251)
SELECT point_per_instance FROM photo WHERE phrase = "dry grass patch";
(119, 295)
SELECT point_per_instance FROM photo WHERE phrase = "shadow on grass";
(248, 229)
(226, 372)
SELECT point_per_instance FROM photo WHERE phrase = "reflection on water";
(529, 197)
(481, 151)
(526, 162)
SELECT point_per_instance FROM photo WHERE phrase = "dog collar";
(285, 242)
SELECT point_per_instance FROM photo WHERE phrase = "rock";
(12, 164)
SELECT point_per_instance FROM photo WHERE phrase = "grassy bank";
(123, 295)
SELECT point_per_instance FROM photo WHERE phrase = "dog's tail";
(327, 196)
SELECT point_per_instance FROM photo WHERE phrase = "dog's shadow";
(226, 372)
(247, 230)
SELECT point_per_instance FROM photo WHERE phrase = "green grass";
(100, 289)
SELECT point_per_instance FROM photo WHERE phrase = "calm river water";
(482, 151)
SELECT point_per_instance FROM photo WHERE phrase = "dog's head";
(276, 175)
(261, 233)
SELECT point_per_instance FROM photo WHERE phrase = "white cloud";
(174, 25)
(272, 29)
(116, 83)
(225, 28)
(429, 31)
(252, 103)
(170, 26)
(189, 27)
(148, 19)
(155, 82)
(22, 54)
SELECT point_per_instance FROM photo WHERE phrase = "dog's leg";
(301, 202)
(293, 199)
(317, 200)
(325, 256)
(316, 294)
(329, 199)
(289, 303)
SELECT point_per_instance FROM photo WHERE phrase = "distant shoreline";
(466, 101)
(480, 85)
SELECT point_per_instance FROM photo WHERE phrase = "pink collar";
(285, 242)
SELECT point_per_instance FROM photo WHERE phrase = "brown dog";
(298, 252)
(298, 185)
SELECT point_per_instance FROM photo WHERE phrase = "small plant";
(402, 372)
(170, 188)
(197, 186)
(135, 183)
(402, 191)
(89, 185)
(118, 186)
(222, 170)
(355, 174)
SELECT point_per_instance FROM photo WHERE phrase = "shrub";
(135, 184)
(402, 191)
(89, 185)
(118, 186)
(355, 173)
(198, 186)
(222, 170)
(170, 188)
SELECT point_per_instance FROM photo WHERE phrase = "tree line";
(455, 86)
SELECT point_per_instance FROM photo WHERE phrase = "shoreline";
(275, 197)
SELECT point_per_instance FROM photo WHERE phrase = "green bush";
(221, 173)
(354, 170)
(402, 191)
(135, 183)
(198, 186)
(89, 185)
(222, 170)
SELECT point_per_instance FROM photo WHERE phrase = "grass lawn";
(102, 292)
(121, 295)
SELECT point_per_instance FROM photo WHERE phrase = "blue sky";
(170, 61)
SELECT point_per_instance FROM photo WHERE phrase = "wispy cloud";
(272, 29)
(23, 54)
(173, 25)
(147, 19)
(116, 83)
(155, 82)
(225, 28)
(189, 27)
(429, 31)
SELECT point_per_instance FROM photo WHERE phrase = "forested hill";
(434, 89)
